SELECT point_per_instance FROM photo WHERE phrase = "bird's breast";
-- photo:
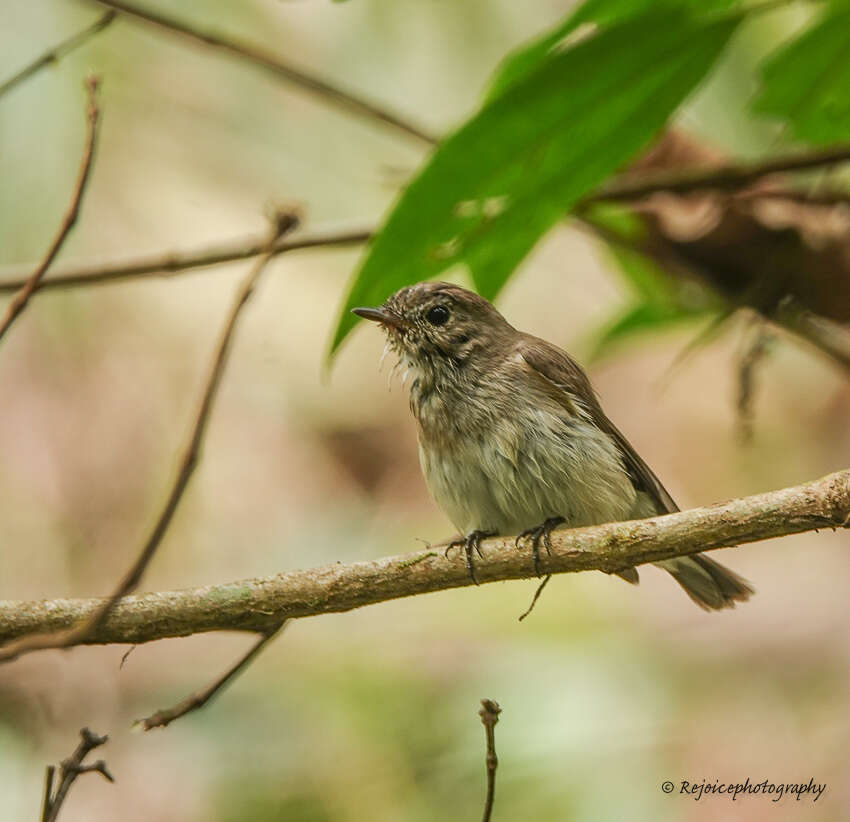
(506, 464)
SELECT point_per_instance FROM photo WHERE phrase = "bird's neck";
(452, 401)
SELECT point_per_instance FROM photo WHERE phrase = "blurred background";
(607, 690)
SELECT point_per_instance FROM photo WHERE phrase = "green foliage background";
(563, 114)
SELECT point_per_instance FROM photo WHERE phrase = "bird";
(513, 439)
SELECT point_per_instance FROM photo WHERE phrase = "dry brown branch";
(278, 68)
(58, 51)
(751, 247)
(163, 718)
(830, 338)
(826, 197)
(169, 263)
(756, 348)
(261, 604)
(69, 770)
(19, 302)
(75, 635)
(728, 176)
(489, 714)
(177, 262)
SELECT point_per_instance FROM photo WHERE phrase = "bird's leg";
(470, 543)
(541, 533)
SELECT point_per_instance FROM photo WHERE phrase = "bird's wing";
(564, 379)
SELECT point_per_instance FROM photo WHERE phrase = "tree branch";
(728, 176)
(58, 51)
(20, 300)
(489, 714)
(69, 770)
(831, 338)
(89, 626)
(163, 718)
(629, 187)
(177, 262)
(260, 604)
(283, 71)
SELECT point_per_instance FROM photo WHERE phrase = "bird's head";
(437, 328)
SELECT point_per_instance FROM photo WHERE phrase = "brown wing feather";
(709, 584)
(563, 374)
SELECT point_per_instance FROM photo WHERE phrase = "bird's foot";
(541, 533)
(471, 544)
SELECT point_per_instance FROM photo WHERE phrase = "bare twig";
(489, 714)
(536, 596)
(265, 60)
(125, 656)
(826, 197)
(163, 718)
(260, 604)
(829, 337)
(728, 176)
(169, 263)
(69, 770)
(20, 300)
(757, 346)
(58, 51)
(177, 262)
(710, 331)
(191, 455)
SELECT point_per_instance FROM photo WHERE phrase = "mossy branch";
(260, 604)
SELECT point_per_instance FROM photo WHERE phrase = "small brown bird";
(512, 439)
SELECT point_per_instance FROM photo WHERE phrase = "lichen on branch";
(260, 604)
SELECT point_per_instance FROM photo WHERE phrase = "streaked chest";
(506, 463)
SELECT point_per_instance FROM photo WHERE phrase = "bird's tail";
(708, 583)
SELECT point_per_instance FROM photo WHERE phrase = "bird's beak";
(380, 315)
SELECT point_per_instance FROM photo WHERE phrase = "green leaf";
(660, 300)
(494, 187)
(648, 281)
(807, 82)
(602, 12)
(642, 318)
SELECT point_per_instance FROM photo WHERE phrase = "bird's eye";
(438, 315)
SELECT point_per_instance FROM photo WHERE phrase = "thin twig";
(826, 197)
(260, 604)
(20, 300)
(163, 718)
(265, 60)
(170, 263)
(756, 348)
(827, 335)
(830, 337)
(177, 262)
(284, 222)
(536, 596)
(727, 176)
(125, 656)
(58, 51)
(710, 331)
(489, 714)
(69, 770)
(49, 775)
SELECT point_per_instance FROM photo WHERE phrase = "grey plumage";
(512, 434)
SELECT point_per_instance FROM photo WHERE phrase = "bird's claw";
(540, 533)
(471, 544)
